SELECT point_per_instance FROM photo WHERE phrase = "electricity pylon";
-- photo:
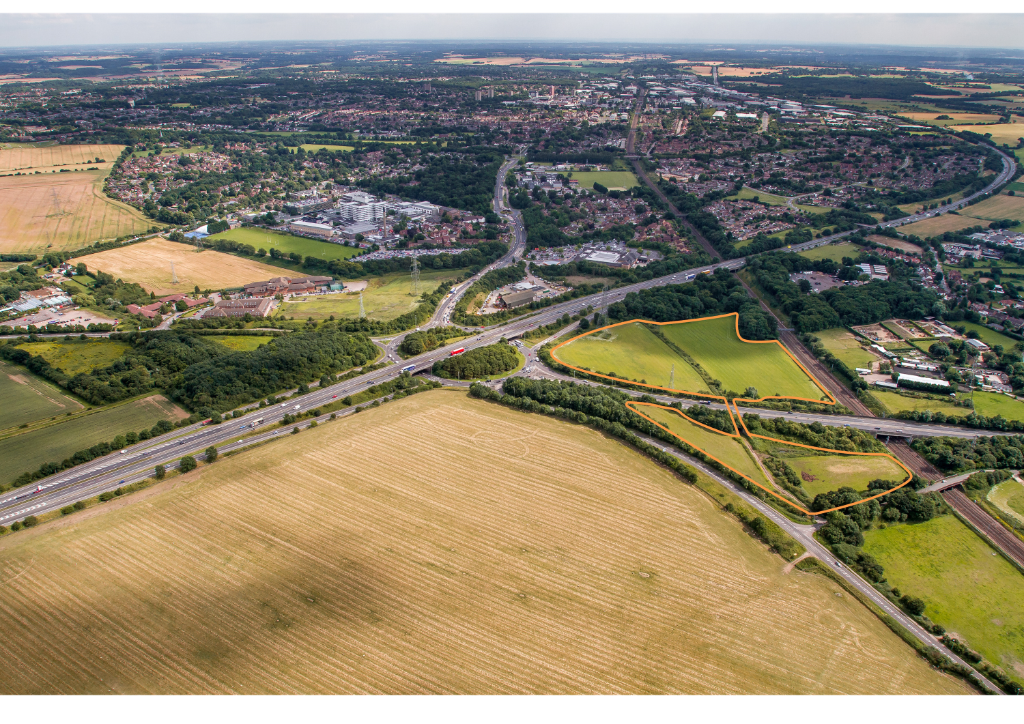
(362, 311)
(415, 276)
(174, 276)
(672, 378)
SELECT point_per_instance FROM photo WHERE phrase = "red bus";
(454, 352)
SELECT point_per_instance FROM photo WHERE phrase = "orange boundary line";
(631, 405)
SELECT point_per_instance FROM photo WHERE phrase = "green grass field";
(632, 352)
(288, 244)
(78, 355)
(989, 336)
(26, 452)
(27, 398)
(385, 298)
(836, 252)
(969, 589)
(843, 344)
(895, 402)
(608, 179)
(729, 450)
(748, 194)
(240, 342)
(738, 364)
(991, 404)
(822, 473)
(1008, 496)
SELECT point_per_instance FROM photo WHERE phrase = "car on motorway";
(333, 397)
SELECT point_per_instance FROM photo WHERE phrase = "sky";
(949, 30)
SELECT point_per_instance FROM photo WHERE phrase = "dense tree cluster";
(709, 294)
(426, 340)
(846, 439)
(479, 362)
(238, 378)
(952, 453)
(463, 181)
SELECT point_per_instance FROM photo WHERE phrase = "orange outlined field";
(729, 404)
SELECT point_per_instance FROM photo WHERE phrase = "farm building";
(287, 286)
(151, 310)
(241, 307)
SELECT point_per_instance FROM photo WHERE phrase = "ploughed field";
(436, 544)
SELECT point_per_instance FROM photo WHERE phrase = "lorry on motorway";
(690, 277)
(454, 352)
(408, 368)
(206, 421)
(258, 422)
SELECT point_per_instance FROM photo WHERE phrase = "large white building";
(359, 206)
(308, 228)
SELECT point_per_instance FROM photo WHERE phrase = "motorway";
(117, 469)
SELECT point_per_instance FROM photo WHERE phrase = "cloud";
(976, 31)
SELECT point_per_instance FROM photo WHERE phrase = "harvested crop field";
(65, 210)
(1001, 132)
(149, 264)
(27, 158)
(500, 553)
(898, 244)
(940, 225)
(998, 207)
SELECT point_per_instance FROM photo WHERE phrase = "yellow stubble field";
(148, 263)
(437, 544)
(62, 211)
(29, 158)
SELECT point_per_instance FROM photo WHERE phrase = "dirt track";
(1003, 539)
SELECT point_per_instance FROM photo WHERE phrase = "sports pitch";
(501, 553)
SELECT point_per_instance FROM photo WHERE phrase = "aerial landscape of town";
(511, 368)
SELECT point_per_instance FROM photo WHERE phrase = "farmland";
(27, 451)
(821, 473)
(845, 346)
(30, 158)
(713, 343)
(589, 569)
(729, 450)
(1001, 132)
(632, 352)
(898, 244)
(954, 118)
(608, 179)
(969, 589)
(940, 224)
(991, 404)
(385, 298)
(27, 398)
(288, 244)
(78, 355)
(998, 207)
(149, 264)
(836, 252)
(62, 211)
